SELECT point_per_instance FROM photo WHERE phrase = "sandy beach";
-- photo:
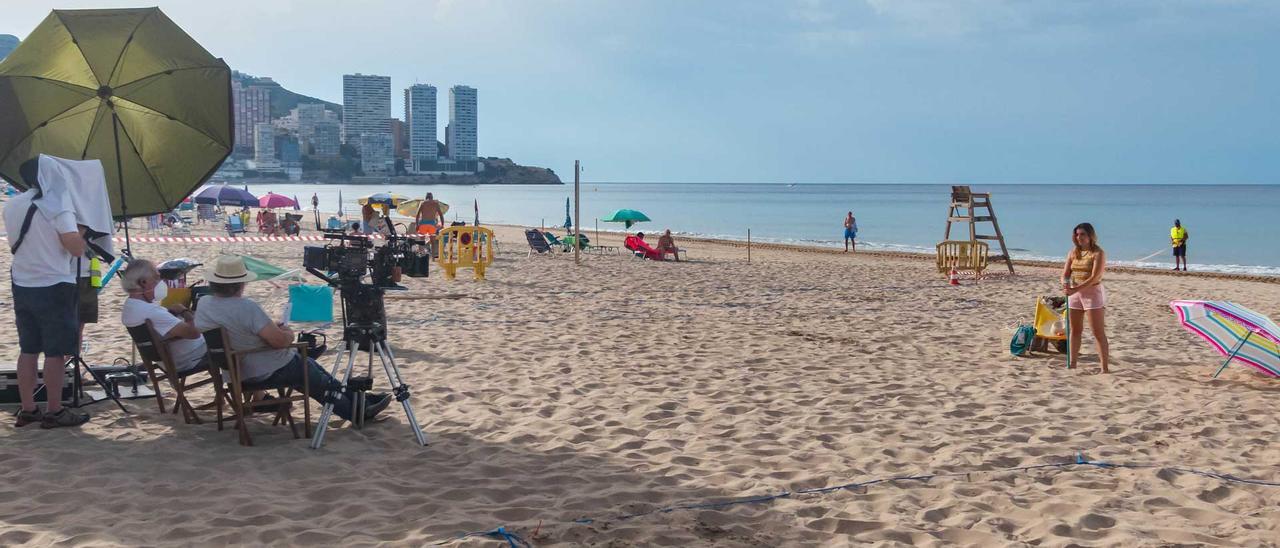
(561, 401)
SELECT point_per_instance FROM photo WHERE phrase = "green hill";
(282, 100)
(8, 43)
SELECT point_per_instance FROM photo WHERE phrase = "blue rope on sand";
(1078, 460)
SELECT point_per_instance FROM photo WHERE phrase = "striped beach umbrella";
(1234, 331)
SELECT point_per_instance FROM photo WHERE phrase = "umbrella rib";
(76, 41)
(153, 112)
(127, 44)
(154, 182)
(33, 131)
(167, 72)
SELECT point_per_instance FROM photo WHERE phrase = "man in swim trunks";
(1178, 236)
(429, 213)
(850, 232)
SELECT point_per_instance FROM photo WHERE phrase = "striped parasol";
(1234, 331)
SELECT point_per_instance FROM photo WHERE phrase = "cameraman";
(44, 299)
(248, 328)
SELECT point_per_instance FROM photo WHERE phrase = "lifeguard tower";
(965, 206)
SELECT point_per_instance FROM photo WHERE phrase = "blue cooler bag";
(310, 303)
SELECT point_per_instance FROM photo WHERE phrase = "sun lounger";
(537, 244)
(641, 249)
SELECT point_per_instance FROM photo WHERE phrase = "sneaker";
(28, 417)
(374, 404)
(64, 417)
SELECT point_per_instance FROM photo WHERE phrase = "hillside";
(282, 100)
(7, 44)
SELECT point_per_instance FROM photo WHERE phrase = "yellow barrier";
(465, 247)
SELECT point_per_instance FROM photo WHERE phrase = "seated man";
(667, 244)
(186, 346)
(248, 328)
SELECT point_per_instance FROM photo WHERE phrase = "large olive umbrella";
(124, 86)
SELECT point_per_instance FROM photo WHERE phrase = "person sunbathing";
(667, 244)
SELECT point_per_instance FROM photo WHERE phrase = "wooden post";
(748, 246)
(577, 218)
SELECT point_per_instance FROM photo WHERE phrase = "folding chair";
(238, 396)
(160, 366)
(536, 242)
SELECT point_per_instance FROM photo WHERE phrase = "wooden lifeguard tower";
(964, 204)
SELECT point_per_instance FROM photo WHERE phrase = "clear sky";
(1065, 91)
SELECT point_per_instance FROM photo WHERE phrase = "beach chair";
(235, 225)
(537, 244)
(554, 241)
(235, 394)
(964, 256)
(1043, 321)
(641, 249)
(160, 367)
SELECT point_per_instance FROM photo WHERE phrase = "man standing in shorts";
(1178, 236)
(429, 213)
(850, 232)
(44, 288)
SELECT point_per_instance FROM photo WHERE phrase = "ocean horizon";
(1228, 224)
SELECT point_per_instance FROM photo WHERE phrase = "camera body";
(343, 264)
(350, 257)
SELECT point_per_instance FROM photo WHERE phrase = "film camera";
(343, 264)
(348, 258)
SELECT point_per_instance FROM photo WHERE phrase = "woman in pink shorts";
(1087, 299)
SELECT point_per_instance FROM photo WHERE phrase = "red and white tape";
(222, 239)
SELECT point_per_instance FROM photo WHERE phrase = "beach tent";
(124, 86)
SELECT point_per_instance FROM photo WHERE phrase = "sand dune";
(552, 394)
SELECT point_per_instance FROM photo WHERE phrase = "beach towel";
(79, 186)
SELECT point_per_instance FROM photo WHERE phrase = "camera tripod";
(371, 338)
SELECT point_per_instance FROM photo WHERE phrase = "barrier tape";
(1078, 461)
(220, 239)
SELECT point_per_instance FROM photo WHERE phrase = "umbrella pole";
(577, 217)
(124, 210)
(1232, 356)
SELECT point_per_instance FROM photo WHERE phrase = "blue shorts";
(47, 319)
(850, 233)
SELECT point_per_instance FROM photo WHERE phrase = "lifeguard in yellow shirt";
(1178, 236)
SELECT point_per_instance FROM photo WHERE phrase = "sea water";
(1232, 228)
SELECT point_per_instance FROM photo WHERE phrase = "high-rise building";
(420, 116)
(376, 154)
(400, 139)
(264, 142)
(325, 140)
(461, 134)
(252, 106)
(366, 106)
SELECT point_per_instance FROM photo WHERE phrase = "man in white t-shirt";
(175, 325)
(44, 299)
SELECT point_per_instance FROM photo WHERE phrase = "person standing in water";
(1178, 237)
(850, 232)
(1086, 298)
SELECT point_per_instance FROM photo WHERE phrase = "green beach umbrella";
(627, 216)
(124, 86)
